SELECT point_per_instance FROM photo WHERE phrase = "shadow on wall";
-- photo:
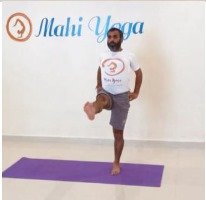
(156, 87)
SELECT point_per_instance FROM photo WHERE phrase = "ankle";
(97, 107)
(116, 162)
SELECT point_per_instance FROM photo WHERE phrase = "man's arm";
(99, 81)
(138, 83)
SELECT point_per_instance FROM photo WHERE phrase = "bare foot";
(115, 169)
(89, 109)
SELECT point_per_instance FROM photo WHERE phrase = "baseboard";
(95, 140)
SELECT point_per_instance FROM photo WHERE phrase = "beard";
(114, 46)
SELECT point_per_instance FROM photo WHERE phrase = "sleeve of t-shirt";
(133, 62)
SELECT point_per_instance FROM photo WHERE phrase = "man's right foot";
(115, 168)
(89, 109)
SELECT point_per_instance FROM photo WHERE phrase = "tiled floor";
(183, 177)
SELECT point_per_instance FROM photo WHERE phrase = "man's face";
(114, 41)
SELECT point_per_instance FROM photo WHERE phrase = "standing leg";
(103, 101)
(118, 147)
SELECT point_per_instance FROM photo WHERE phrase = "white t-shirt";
(116, 71)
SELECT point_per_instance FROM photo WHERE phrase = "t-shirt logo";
(113, 66)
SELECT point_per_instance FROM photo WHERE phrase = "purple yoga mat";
(85, 171)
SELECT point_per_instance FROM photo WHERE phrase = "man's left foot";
(89, 109)
(115, 169)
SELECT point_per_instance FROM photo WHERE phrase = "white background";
(46, 81)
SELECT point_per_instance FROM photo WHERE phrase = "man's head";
(114, 39)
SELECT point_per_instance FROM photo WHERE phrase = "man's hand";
(132, 96)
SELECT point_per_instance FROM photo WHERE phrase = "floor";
(183, 177)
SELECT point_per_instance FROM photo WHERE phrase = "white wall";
(47, 80)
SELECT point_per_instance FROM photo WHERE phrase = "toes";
(115, 170)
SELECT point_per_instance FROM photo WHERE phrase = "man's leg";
(118, 147)
(103, 101)
(118, 119)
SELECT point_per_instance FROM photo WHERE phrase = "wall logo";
(19, 27)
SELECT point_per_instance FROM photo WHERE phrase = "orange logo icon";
(113, 66)
(19, 27)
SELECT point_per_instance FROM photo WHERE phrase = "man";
(113, 91)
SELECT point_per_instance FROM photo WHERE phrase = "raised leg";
(102, 102)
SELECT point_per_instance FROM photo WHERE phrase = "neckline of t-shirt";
(115, 52)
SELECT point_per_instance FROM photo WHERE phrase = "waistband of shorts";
(119, 94)
(102, 90)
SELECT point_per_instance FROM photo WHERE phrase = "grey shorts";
(119, 105)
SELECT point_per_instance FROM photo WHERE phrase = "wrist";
(135, 94)
(98, 86)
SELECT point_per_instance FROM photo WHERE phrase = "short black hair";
(116, 29)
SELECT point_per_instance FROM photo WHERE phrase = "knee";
(102, 98)
(118, 135)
